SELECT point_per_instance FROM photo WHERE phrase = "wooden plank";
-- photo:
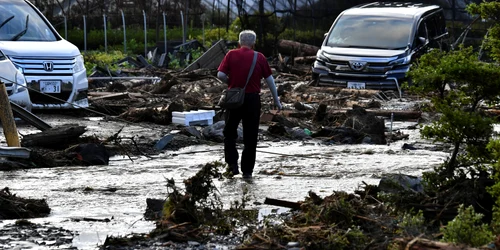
(211, 58)
(113, 96)
(29, 117)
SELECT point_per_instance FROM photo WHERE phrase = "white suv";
(14, 82)
(55, 73)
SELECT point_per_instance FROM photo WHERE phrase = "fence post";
(85, 34)
(105, 34)
(65, 28)
(183, 28)
(124, 33)
(203, 27)
(145, 35)
(165, 32)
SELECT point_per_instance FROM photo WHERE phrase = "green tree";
(489, 11)
(461, 122)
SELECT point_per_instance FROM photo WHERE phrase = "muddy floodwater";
(284, 170)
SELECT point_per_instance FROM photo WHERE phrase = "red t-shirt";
(236, 65)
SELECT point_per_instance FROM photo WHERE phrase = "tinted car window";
(432, 27)
(436, 25)
(20, 22)
(370, 32)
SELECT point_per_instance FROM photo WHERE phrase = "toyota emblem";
(356, 65)
(48, 66)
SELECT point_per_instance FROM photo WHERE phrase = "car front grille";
(337, 66)
(35, 66)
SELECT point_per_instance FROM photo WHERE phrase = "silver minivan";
(374, 45)
(54, 69)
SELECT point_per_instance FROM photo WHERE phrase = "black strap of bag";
(235, 97)
(251, 68)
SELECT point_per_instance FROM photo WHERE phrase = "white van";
(15, 83)
(55, 73)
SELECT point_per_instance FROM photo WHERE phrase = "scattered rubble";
(26, 235)
(149, 94)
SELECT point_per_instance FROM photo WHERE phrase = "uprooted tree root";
(13, 207)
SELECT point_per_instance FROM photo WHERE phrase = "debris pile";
(13, 207)
(193, 215)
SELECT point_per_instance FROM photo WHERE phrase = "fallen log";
(57, 137)
(304, 60)
(420, 244)
(282, 203)
(90, 219)
(165, 85)
(288, 47)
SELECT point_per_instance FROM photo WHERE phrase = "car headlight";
(320, 57)
(401, 61)
(79, 64)
(20, 81)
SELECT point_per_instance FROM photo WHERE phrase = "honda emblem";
(48, 66)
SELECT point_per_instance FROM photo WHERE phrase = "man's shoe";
(247, 176)
(234, 169)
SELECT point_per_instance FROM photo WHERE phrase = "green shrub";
(466, 229)
(103, 60)
(412, 224)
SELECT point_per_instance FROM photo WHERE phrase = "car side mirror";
(422, 40)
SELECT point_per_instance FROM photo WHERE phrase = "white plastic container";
(196, 117)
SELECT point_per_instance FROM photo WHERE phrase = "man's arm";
(274, 92)
(222, 76)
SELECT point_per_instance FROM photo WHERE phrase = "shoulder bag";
(233, 98)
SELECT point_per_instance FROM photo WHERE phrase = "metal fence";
(313, 16)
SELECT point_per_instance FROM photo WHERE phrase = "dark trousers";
(249, 115)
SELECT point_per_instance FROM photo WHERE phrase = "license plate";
(50, 86)
(356, 85)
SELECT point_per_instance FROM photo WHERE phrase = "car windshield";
(20, 22)
(370, 32)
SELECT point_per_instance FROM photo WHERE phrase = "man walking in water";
(234, 70)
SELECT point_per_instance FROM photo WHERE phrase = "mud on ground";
(333, 115)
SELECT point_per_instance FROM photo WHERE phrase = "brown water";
(297, 167)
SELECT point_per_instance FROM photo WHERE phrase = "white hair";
(247, 38)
